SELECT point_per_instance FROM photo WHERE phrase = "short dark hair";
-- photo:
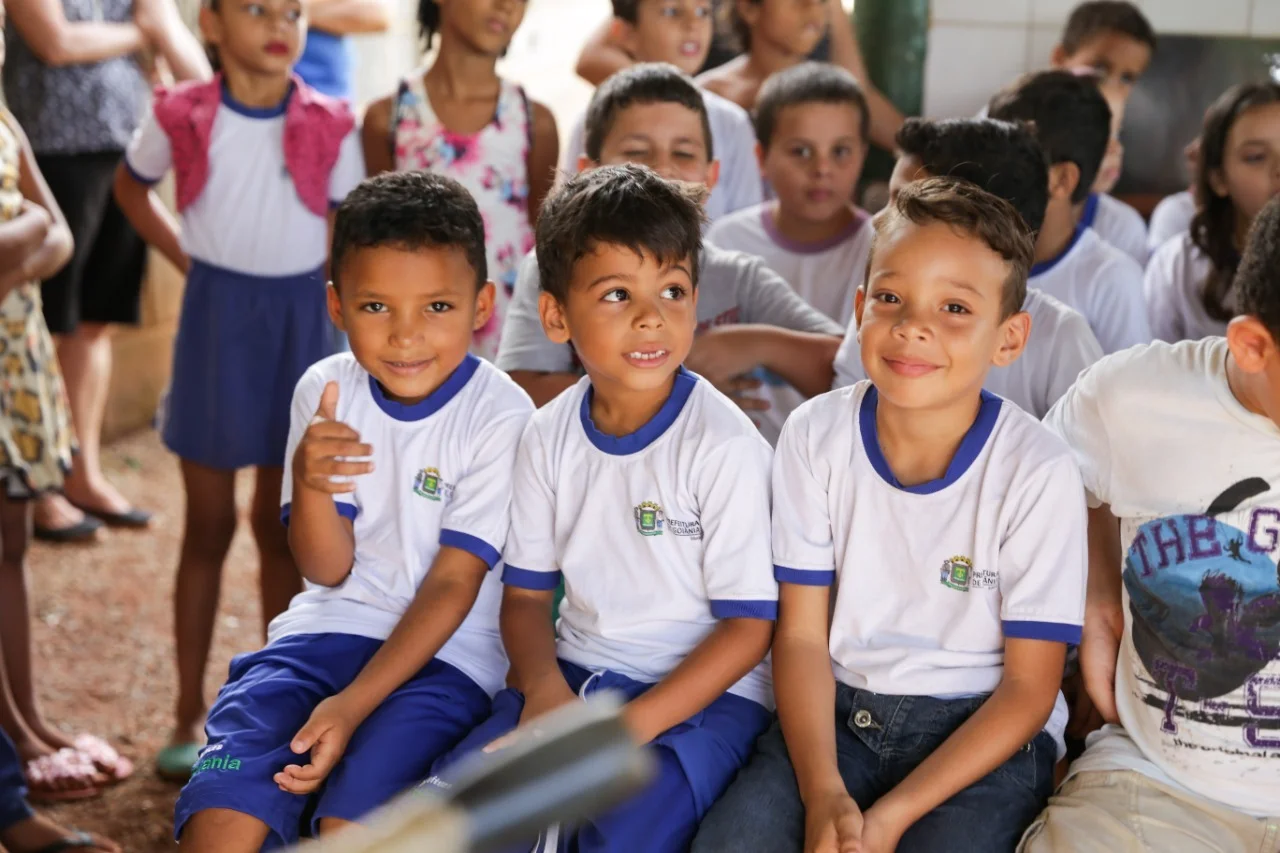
(627, 205)
(411, 211)
(1098, 17)
(734, 26)
(808, 83)
(1258, 279)
(967, 208)
(428, 21)
(1002, 157)
(1071, 118)
(627, 10)
(645, 83)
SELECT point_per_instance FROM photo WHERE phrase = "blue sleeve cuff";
(472, 545)
(804, 577)
(726, 609)
(138, 176)
(334, 204)
(1056, 632)
(525, 579)
(346, 510)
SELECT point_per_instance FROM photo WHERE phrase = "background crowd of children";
(674, 324)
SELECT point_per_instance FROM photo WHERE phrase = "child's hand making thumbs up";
(330, 452)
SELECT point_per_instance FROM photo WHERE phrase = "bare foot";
(188, 729)
(38, 833)
(96, 495)
(54, 512)
(61, 776)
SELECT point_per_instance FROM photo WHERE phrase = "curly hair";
(1258, 279)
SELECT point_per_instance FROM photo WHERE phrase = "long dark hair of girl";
(428, 21)
(1214, 229)
(209, 50)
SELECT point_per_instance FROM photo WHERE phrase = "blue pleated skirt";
(243, 343)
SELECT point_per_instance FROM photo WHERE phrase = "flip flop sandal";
(105, 758)
(175, 761)
(45, 774)
(74, 841)
(131, 518)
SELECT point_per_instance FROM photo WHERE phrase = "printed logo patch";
(956, 573)
(428, 484)
(649, 519)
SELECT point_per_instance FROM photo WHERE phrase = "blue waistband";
(201, 270)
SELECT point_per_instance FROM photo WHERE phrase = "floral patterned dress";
(492, 165)
(35, 421)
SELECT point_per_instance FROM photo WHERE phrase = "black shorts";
(102, 282)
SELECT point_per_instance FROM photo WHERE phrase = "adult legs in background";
(278, 580)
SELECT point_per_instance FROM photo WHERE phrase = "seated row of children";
(919, 542)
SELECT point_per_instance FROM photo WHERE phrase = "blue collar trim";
(1044, 266)
(624, 445)
(255, 112)
(433, 402)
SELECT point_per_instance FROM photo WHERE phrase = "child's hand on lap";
(324, 461)
(325, 735)
(880, 832)
(833, 824)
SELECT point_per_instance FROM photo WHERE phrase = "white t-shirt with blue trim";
(657, 534)
(930, 579)
(1118, 224)
(442, 477)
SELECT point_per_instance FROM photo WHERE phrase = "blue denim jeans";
(13, 787)
(879, 740)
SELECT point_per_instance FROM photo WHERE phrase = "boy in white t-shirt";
(1073, 264)
(951, 526)
(396, 493)
(679, 32)
(1181, 653)
(811, 127)
(647, 492)
(1005, 160)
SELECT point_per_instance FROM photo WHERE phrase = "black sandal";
(82, 531)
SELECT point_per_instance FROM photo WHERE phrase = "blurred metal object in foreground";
(566, 767)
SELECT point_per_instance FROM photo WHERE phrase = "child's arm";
(601, 56)
(1104, 613)
(804, 359)
(348, 17)
(56, 42)
(20, 241)
(529, 636)
(150, 217)
(181, 51)
(886, 121)
(375, 137)
(543, 156)
(54, 249)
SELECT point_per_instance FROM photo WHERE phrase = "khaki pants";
(1123, 811)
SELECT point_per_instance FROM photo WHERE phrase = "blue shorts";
(696, 760)
(271, 693)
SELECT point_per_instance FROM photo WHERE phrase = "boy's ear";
(713, 175)
(554, 323)
(1218, 183)
(760, 152)
(585, 163)
(210, 26)
(859, 302)
(623, 34)
(1013, 338)
(484, 306)
(1063, 180)
(1251, 344)
(334, 303)
(1058, 58)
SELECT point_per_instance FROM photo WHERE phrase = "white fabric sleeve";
(1171, 218)
(803, 545)
(1043, 559)
(524, 345)
(1119, 315)
(767, 298)
(1078, 420)
(479, 515)
(1074, 350)
(734, 144)
(848, 363)
(306, 399)
(530, 558)
(348, 172)
(1162, 289)
(1125, 228)
(732, 487)
(148, 157)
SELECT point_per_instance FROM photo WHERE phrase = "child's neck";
(1059, 227)
(619, 411)
(807, 231)
(461, 73)
(766, 58)
(255, 90)
(919, 444)
(1250, 390)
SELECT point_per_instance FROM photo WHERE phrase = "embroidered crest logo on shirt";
(956, 573)
(649, 519)
(428, 485)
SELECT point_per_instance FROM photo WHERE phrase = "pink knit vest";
(314, 127)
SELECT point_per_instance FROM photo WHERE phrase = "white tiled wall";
(976, 47)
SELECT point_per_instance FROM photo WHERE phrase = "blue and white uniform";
(442, 478)
(657, 535)
(1174, 285)
(1117, 224)
(253, 313)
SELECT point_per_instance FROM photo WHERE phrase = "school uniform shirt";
(1103, 284)
(1199, 508)
(1060, 345)
(1174, 286)
(931, 579)
(276, 235)
(825, 274)
(657, 534)
(1118, 224)
(442, 477)
(733, 143)
(732, 288)
(1171, 218)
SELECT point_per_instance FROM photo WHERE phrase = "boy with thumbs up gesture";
(396, 494)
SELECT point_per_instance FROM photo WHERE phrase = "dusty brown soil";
(103, 639)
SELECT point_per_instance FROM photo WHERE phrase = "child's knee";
(222, 829)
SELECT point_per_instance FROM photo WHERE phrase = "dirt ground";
(103, 639)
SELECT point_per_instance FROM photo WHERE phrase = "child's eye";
(668, 11)
(1255, 158)
(636, 155)
(618, 294)
(842, 151)
(293, 16)
(673, 291)
(887, 298)
(256, 9)
(439, 307)
(373, 308)
(702, 12)
(1128, 78)
(683, 155)
(802, 151)
(955, 308)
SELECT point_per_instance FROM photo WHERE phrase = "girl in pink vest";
(259, 159)
(461, 119)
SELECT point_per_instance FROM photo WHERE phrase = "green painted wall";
(893, 35)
